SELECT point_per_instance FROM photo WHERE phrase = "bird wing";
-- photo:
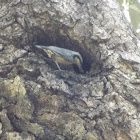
(65, 53)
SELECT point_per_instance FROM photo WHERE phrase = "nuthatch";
(63, 56)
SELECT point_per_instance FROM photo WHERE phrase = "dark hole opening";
(55, 39)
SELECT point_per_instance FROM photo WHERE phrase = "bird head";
(78, 61)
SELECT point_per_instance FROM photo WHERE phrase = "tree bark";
(38, 102)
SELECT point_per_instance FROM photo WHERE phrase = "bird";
(63, 56)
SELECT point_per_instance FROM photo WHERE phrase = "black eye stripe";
(76, 56)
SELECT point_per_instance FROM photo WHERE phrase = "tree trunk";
(38, 102)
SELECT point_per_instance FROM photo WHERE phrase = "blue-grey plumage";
(61, 55)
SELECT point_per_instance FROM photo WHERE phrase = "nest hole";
(90, 60)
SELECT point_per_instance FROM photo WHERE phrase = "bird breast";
(56, 57)
(61, 60)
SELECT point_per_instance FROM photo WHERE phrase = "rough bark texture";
(38, 102)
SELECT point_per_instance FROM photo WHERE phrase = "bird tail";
(40, 46)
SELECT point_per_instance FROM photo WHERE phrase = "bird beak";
(81, 69)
